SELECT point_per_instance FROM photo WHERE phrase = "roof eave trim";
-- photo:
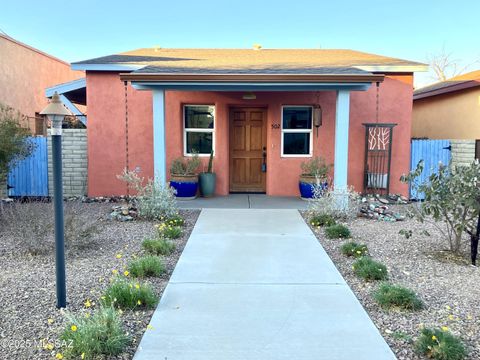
(394, 68)
(292, 78)
(448, 89)
(106, 67)
(66, 87)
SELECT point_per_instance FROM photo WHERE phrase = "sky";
(412, 30)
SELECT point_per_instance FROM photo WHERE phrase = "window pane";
(199, 116)
(199, 142)
(297, 117)
(296, 143)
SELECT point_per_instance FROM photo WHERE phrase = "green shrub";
(158, 246)
(354, 249)
(440, 345)
(169, 231)
(394, 296)
(322, 220)
(146, 266)
(369, 269)
(129, 294)
(175, 220)
(154, 201)
(99, 334)
(337, 231)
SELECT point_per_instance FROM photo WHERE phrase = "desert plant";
(14, 139)
(29, 224)
(166, 231)
(80, 228)
(158, 246)
(341, 205)
(154, 201)
(337, 231)
(451, 200)
(210, 163)
(316, 166)
(354, 249)
(175, 220)
(129, 294)
(322, 220)
(440, 345)
(99, 334)
(146, 266)
(394, 296)
(185, 166)
(369, 269)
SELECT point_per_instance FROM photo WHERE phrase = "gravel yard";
(450, 287)
(28, 313)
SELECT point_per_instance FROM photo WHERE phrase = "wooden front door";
(248, 141)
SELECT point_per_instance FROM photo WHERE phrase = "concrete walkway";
(257, 285)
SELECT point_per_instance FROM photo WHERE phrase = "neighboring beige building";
(448, 109)
(25, 74)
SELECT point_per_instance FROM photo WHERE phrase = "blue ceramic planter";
(186, 187)
(307, 186)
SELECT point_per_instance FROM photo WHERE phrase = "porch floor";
(245, 201)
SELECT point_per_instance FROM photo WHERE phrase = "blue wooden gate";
(432, 152)
(29, 177)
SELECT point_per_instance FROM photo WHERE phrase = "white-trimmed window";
(198, 129)
(297, 131)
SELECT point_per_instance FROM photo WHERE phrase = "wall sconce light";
(249, 96)
(317, 116)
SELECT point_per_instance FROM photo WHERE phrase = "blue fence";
(431, 152)
(30, 176)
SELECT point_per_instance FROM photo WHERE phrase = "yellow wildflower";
(451, 317)
(448, 307)
(119, 256)
(50, 321)
(434, 338)
(82, 356)
(73, 328)
(87, 303)
(49, 346)
(139, 302)
(137, 286)
(114, 271)
(59, 356)
(126, 273)
(444, 328)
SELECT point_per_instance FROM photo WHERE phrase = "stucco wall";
(449, 116)
(74, 162)
(25, 73)
(107, 144)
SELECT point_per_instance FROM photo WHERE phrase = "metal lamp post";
(56, 112)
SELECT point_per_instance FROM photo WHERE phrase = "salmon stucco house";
(253, 107)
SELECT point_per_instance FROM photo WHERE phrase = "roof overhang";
(447, 89)
(251, 82)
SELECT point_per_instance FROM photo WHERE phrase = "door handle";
(264, 162)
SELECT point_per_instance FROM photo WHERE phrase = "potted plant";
(314, 174)
(208, 179)
(184, 178)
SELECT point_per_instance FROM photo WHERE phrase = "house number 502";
(275, 126)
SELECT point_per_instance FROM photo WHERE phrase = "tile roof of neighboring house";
(457, 83)
(249, 61)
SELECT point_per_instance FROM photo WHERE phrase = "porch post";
(159, 148)
(340, 170)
